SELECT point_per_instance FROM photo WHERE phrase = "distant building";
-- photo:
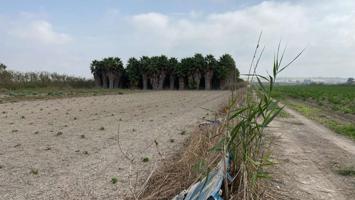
(307, 81)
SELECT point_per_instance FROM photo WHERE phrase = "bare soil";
(68, 148)
(308, 158)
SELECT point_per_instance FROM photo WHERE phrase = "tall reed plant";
(243, 128)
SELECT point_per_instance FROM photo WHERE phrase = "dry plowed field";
(68, 148)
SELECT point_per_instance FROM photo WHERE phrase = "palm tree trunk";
(97, 80)
(208, 79)
(190, 82)
(222, 84)
(117, 82)
(145, 81)
(197, 80)
(111, 79)
(161, 80)
(104, 80)
(155, 81)
(181, 83)
(172, 82)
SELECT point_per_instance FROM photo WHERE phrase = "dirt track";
(68, 148)
(309, 156)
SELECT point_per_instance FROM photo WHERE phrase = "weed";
(182, 132)
(17, 145)
(172, 140)
(145, 159)
(339, 126)
(243, 128)
(82, 136)
(284, 114)
(114, 180)
(59, 133)
(347, 171)
(34, 171)
(102, 128)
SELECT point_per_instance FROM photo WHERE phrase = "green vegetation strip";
(14, 95)
(341, 127)
(340, 98)
(348, 171)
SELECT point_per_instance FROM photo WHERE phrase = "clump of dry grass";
(179, 172)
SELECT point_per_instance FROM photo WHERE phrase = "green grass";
(317, 114)
(318, 102)
(15, 95)
(114, 180)
(145, 159)
(340, 98)
(284, 114)
(347, 171)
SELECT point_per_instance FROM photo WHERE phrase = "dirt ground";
(308, 157)
(68, 148)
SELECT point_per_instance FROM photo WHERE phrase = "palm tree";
(187, 65)
(226, 70)
(199, 64)
(134, 72)
(96, 70)
(173, 63)
(153, 71)
(163, 69)
(144, 70)
(210, 66)
(181, 72)
(157, 71)
(114, 69)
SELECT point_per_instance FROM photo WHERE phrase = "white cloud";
(325, 27)
(31, 43)
(41, 31)
(151, 20)
(328, 32)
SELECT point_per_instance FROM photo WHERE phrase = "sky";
(65, 36)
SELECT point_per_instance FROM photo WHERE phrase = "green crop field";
(335, 97)
(322, 103)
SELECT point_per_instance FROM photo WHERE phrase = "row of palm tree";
(159, 71)
(107, 72)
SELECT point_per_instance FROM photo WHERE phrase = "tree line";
(14, 80)
(161, 72)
